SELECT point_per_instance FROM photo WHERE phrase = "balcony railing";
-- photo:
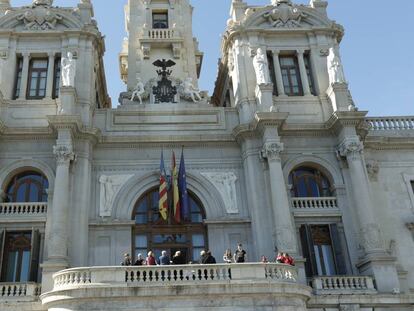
(142, 276)
(19, 291)
(28, 209)
(324, 203)
(391, 123)
(343, 285)
(162, 34)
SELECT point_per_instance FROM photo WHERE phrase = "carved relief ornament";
(40, 17)
(63, 154)
(284, 15)
(284, 239)
(371, 237)
(272, 150)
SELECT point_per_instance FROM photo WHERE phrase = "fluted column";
(303, 72)
(278, 74)
(50, 74)
(58, 244)
(370, 234)
(284, 229)
(25, 76)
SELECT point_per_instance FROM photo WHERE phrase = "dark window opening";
(153, 233)
(323, 250)
(18, 82)
(56, 78)
(309, 182)
(37, 79)
(159, 20)
(272, 71)
(309, 74)
(27, 187)
(291, 76)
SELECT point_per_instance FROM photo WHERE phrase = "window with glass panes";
(37, 79)
(151, 232)
(309, 73)
(309, 182)
(27, 187)
(324, 250)
(18, 81)
(56, 78)
(19, 256)
(159, 20)
(291, 75)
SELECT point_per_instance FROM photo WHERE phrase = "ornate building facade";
(279, 158)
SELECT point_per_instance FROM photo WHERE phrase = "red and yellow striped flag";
(176, 192)
(163, 191)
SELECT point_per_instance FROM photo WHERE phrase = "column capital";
(271, 151)
(51, 54)
(300, 51)
(26, 55)
(276, 52)
(350, 148)
(64, 154)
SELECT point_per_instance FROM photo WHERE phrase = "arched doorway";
(151, 232)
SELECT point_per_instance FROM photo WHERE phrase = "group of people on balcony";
(239, 256)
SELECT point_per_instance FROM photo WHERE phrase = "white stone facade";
(241, 148)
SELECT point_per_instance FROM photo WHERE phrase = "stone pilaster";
(376, 261)
(68, 99)
(303, 72)
(278, 74)
(50, 74)
(25, 76)
(339, 95)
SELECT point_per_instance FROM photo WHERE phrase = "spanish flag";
(163, 192)
(176, 192)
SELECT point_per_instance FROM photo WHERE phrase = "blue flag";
(182, 186)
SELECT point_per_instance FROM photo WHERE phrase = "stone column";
(284, 229)
(278, 74)
(58, 243)
(50, 74)
(376, 261)
(25, 76)
(303, 72)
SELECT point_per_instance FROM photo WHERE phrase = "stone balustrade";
(19, 291)
(343, 285)
(391, 123)
(28, 209)
(162, 34)
(141, 276)
(323, 203)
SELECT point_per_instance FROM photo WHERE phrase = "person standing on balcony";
(178, 258)
(164, 259)
(288, 260)
(210, 258)
(151, 259)
(228, 257)
(127, 260)
(240, 255)
(140, 261)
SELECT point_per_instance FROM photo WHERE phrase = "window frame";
(18, 78)
(309, 72)
(39, 71)
(165, 21)
(409, 179)
(289, 88)
(159, 227)
(319, 179)
(19, 180)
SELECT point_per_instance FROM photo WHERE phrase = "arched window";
(309, 182)
(151, 232)
(29, 186)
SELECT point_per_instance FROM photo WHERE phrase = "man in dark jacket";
(209, 259)
(164, 260)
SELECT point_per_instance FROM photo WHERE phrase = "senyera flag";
(182, 185)
(176, 192)
(163, 192)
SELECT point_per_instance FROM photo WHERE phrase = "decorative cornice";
(74, 124)
(341, 119)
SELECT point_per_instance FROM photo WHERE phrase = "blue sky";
(377, 50)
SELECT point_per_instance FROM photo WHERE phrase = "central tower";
(160, 33)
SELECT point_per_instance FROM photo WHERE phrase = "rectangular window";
(18, 82)
(412, 185)
(291, 76)
(323, 250)
(19, 256)
(309, 74)
(37, 79)
(272, 71)
(56, 78)
(159, 20)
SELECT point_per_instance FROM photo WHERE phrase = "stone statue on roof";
(43, 2)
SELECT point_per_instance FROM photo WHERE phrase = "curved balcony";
(192, 285)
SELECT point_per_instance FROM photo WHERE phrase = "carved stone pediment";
(39, 17)
(285, 15)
